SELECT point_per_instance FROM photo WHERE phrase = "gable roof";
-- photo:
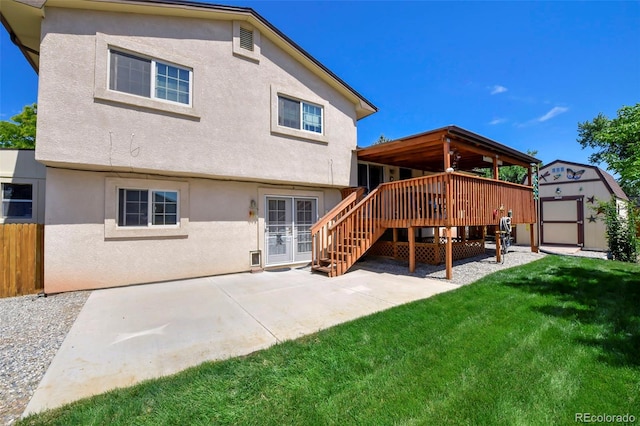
(424, 151)
(609, 181)
(22, 20)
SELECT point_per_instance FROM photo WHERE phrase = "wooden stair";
(345, 234)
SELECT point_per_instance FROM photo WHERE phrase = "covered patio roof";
(427, 151)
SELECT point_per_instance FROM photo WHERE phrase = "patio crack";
(250, 314)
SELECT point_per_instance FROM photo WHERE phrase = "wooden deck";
(447, 200)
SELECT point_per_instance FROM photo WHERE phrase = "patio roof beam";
(505, 158)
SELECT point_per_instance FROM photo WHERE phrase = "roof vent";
(246, 39)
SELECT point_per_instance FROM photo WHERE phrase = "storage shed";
(567, 212)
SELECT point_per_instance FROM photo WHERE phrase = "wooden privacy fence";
(21, 259)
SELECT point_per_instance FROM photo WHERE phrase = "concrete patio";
(125, 335)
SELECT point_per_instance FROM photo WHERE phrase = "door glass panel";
(375, 177)
(306, 216)
(363, 175)
(278, 231)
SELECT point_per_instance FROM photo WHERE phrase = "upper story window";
(144, 207)
(299, 115)
(17, 201)
(149, 78)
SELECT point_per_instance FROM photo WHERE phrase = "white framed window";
(147, 207)
(149, 78)
(299, 115)
(17, 200)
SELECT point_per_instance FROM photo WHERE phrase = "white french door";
(287, 227)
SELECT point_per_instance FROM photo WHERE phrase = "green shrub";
(621, 230)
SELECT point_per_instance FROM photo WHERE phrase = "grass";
(529, 345)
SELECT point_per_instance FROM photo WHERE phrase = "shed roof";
(609, 181)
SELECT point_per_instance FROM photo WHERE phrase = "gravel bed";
(465, 271)
(32, 329)
(468, 270)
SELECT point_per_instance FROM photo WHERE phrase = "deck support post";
(412, 249)
(395, 243)
(446, 147)
(436, 241)
(534, 246)
(449, 253)
(498, 248)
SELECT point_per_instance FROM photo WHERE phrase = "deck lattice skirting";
(427, 252)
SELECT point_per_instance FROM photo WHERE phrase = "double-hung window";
(147, 207)
(299, 115)
(149, 78)
(17, 201)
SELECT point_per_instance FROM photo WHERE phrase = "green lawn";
(531, 345)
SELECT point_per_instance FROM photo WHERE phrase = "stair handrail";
(356, 207)
(354, 233)
(320, 230)
(341, 207)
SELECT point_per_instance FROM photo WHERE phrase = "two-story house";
(180, 139)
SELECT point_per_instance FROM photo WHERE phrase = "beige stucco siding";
(219, 237)
(227, 133)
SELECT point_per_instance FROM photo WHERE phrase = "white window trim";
(105, 43)
(308, 98)
(113, 231)
(34, 200)
(253, 55)
(150, 212)
(3, 200)
(153, 75)
(301, 104)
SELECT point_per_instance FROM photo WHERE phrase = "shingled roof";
(609, 181)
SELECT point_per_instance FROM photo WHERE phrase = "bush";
(621, 231)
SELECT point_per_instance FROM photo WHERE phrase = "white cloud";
(497, 121)
(497, 89)
(555, 111)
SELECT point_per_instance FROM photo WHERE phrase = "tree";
(515, 174)
(382, 139)
(20, 132)
(617, 143)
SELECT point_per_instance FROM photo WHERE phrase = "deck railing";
(320, 231)
(446, 199)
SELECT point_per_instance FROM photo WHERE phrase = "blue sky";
(521, 73)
